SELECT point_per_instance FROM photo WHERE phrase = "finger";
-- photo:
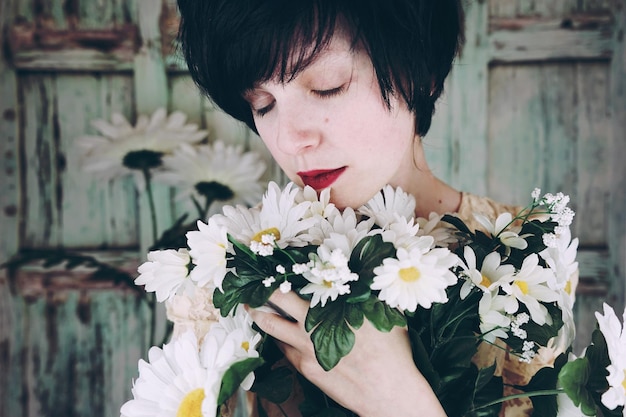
(291, 333)
(280, 311)
(291, 304)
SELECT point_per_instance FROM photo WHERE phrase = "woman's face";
(329, 127)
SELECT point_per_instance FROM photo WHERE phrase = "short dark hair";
(231, 45)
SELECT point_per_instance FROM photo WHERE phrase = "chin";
(341, 202)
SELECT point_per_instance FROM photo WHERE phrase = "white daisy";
(561, 258)
(389, 203)
(165, 272)
(491, 274)
(321, 209)
(441, 232)
(415, 278)
(329, 275)
(122, 145)
(237, 330)
(208, 247)
(346, 231)
(403, 233)
(615, 336)
(224, 174)
(279, 221)
(493, 322)
(530, 286)
(179, 379)
(503, 230)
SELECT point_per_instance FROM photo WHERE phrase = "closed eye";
(330, 93)
(263, 110)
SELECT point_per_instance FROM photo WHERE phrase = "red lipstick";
(321, 178)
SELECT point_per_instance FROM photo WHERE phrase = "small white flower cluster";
(528, 351)
(516, 325)
(528, 346)
(264, 246)
(559, 213)
(328, 274)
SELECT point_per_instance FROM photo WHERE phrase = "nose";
(297, 130)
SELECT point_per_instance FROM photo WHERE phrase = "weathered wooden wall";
(538, 99)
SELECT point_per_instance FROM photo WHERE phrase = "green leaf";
(383, 317)
(422, 360)
(275, 386)
(241, 289)
(573, 378)
(332, 338)
(235, 375)
(316, 403)
(456, 222)
(487, 388)
(545, 379)
(367, 255)
(240, 247)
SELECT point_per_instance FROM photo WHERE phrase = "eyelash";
(329, 93)
(319, 93)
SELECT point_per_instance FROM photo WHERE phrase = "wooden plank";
(90, 342)
(545, 8)
(517, 134)
(469, 105)
(594, 148)
(42, 181)
(94, 213)
(65, 207)
(33, 47)
(438, 142)
(151, 92)
(594, 271)
(9, 150)
(549, 45)
(71, 60)
(532, 133)
(617, 191)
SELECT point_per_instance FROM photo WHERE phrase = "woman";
(341, 92)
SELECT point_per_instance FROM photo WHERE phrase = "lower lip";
(321, 179)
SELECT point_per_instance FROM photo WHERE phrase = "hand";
(377, 378)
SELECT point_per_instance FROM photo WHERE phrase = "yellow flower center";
(327, 284)
(411, 274)
(522, 285)
(624, 381)
(486, 282)
(271, 231)
(245, 345)
(568, 288)
(191, 405)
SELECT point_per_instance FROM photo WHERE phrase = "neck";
(431, 194)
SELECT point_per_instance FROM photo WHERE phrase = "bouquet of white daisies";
(455, 289)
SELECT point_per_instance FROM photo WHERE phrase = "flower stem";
(522, 395)
(148, 178)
